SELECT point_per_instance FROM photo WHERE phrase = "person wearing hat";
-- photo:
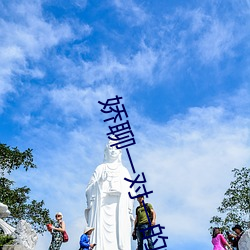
(56, 231)
(84, 240)
(239, 231)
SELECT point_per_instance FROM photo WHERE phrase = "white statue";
(4, 212)
(244, 242)
(25, 235)
(109, 207)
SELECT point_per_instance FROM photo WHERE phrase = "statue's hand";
(104, 175)
(90, 202)
(132, 219)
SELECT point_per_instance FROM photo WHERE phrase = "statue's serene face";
(113, 152)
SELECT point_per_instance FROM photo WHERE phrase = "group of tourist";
(109, 212)
(219, 242)
(141, 223)
(57, 236)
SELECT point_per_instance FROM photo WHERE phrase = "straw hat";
(87, 229)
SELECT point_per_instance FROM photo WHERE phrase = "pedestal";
(13, 247)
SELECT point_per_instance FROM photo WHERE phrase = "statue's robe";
(244, 242)
(109, 207)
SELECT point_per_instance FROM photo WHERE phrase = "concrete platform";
(13, 247)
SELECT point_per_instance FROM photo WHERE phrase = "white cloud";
(31, 33)
(142, 64)
(82, 102)
(25, 35)
(80, 3)
(105, 69)
(198, 33)
(10, 58)
(131, 12)
(121, 71)
(240, 100)
(217, 42)
(198, 19)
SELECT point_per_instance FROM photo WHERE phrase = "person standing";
(218, 240)
(85, 239)
(56, 231)
(239, 231)
(142, 223)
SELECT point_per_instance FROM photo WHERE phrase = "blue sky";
(182, 68)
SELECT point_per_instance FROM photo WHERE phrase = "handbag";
(65, 236)
(49, 227)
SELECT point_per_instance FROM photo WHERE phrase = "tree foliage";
(11, 159)
(6, 240)
(17, 199)
(235, 207)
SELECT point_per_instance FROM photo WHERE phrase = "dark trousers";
(139, 235)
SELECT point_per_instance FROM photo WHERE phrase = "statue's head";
(111, 153)
(4, 212)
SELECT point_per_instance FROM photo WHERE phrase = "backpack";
(148, 210)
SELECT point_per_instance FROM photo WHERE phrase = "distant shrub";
(6, 240)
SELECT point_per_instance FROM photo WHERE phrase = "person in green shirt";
(142, 223)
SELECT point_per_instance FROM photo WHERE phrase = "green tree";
(17, 199)
(235, 207)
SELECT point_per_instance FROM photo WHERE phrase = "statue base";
(12, 247)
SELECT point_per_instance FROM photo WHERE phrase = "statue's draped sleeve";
(93, 196)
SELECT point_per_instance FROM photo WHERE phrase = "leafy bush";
(6, 240)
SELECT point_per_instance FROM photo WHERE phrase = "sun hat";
(87, 229)
(59, 213)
